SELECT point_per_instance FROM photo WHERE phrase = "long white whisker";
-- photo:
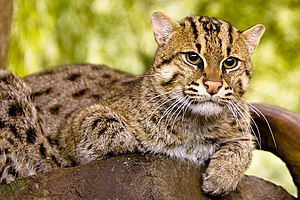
(232, 110)
(168, 118)
(256, 110)
(165, 101)
(184, 106)
(176, 105)
(236, 114)
(260, 91)
(245, 121)
(185, 109)
(256, 127)
(178, 111)
(157, 96)
(169, 109)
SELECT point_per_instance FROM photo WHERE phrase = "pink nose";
(212, 87)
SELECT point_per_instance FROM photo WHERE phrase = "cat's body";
(189, 105)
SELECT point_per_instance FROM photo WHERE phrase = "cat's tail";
(23, 149)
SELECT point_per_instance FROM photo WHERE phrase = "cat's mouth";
(210, 99)
(205, 102)
(208, 107)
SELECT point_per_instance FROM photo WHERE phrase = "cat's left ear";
(253, 36)
(163, 26)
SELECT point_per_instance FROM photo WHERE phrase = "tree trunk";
(6, 10)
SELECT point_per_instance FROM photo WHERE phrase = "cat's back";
(59, 92)
(80, 81)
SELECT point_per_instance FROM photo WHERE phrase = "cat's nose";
(212, 87)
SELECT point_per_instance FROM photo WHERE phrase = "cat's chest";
(199, 143)
(185, 141)
(196, 153)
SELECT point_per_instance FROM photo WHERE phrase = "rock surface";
(132, 177)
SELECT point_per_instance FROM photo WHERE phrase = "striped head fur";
(205, 61)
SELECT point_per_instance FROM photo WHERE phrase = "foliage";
(118, 33)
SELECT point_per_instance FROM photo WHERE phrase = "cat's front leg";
(96, 133)
(227, 166)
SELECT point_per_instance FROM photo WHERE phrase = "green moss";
(9, 189)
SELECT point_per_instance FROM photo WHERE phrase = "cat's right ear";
(163, 26)
(253, 36)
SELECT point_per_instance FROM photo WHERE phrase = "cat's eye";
(230, 63)
(194, 59)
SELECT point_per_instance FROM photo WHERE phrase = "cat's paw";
(218, 184)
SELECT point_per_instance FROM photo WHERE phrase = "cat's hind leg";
(23, 150)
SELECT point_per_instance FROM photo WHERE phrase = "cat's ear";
(253, 36)
(163, 26)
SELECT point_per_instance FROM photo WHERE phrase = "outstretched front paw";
(218, 182)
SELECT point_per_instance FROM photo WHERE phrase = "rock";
(132, 177)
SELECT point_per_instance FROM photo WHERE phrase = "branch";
(6, 10)
(285, 126)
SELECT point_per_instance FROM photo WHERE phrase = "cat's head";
(203, 63)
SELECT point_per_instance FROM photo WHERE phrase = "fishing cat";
(189, 105)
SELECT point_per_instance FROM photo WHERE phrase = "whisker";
(178, 111)
(168, 121)
(232, 110)
(248, 126)
(186, 109)
(184, 106)
(246, 121)
(165, 101)
(168, 111)
(260, 91)
(157, 96)
(236, 113)
(178, 108)
(258, 113)
(256, 127)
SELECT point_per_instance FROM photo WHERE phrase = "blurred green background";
(118, 33)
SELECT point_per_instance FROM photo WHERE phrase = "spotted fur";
(189, 105)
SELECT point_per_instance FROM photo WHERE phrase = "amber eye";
(230, 63)
(194, 59)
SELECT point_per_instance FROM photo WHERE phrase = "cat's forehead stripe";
(230, 37)
(203, 28)
(230, 29)
(210, 24)
(194, 27)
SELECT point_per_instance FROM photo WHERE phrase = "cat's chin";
(206, 109)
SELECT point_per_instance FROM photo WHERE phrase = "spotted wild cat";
(189, 105)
